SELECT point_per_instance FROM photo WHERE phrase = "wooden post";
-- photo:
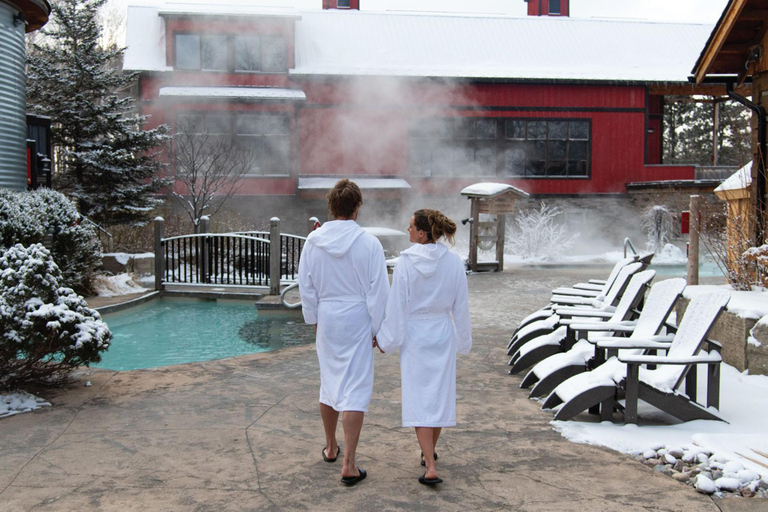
(693, 243)
(474, 228)
(501, 228)
(715, 131)
(205, 223)
(159, 256)
(275, 256)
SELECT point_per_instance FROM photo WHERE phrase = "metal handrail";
(628, 242)
(216, 235)
(97, 226)
(282, 297)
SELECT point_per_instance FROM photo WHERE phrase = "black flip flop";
(422, 459)
(328, 459)
(429, 481)
(352, 480)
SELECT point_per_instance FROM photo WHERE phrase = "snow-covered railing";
(245, 258)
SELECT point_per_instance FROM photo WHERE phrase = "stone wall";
(733, 332)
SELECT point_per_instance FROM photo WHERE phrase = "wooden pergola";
(735, 52)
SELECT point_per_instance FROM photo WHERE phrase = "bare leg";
(436, 435)
(352, 421)
(427, 439)
(330, 420)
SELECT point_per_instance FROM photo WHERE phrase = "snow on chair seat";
(658, 386)
(535, 350)
(523, 336)
(554, 370)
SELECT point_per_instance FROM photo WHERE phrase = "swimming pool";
(168, 331)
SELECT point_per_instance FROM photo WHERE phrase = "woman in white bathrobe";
(427, 320)
(344, 287)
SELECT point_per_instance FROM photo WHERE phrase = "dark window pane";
(277, 124)
(554, 6)
(273, 52)
(485, 161)
(514, 161)
(536, 150)
(277, 153)
(556, 168)
(579, 130)
(464, 129)
(250, 124)
(577, 168)
(556, 150)
(486, 129)
(217, 123)
(247, 53)
(558, 130)
(342, 3)
(515, 129)
(535, 168)
(187, 51)
(578, 150)
(189, 123)
(537, 130)
(213, 53)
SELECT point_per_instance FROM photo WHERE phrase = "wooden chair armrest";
(577, 324)
(657, 342)
(573, 292)
(588, 286)
(600, 282)
(699, 359)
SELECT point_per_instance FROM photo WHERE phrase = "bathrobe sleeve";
(307, 289)
(378, 290)
(460, 312)
(394, 328)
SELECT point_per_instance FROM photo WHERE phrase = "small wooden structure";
(492, 199)
(736, 191)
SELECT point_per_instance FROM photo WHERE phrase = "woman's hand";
(376, 344)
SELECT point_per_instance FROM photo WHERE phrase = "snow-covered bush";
(27, 217)
(657, 221)
(536, 236)
(46, 329)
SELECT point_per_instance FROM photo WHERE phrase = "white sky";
(694, 11)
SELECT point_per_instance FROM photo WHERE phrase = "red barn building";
(554, 105)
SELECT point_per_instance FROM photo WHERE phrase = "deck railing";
(245, 258)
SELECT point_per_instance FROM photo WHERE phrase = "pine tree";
(104, 159)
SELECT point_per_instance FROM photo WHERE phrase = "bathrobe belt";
(352, 299)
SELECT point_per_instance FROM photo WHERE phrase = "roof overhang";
(729, 50)
(36, 12)
(231, 93)
(326, 183)
(238, 11)
(491, 190)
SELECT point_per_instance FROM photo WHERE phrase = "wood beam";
(696, 90)
(718, 38)
(754, 14)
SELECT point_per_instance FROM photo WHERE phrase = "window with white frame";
(231, 53)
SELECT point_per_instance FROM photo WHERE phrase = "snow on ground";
(111, 286)
(746, 304)
(744, 405)
(18, 402)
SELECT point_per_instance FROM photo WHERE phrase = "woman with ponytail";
(427, 320)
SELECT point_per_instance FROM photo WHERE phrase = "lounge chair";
(564, 337)
(548, 374)
(594, 308)
(658, 386)
(593, 289)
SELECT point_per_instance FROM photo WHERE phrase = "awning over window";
(326, 184)
(233, 93)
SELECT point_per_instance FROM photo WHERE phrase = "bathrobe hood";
(425, 257)
(336, 237)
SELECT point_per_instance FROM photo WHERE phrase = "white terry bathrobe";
(427, 320)
(344, 287)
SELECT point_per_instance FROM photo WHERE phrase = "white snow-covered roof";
(363, 183)
(384, 232)
(491, 190)
(235, 92)
(224, 9)
(333, 42)
(541, 47)
(738, 180)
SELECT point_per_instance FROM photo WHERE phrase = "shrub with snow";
(46, 329)
(26, 218)
(535, 235)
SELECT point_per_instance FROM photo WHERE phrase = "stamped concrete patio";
(245, 434)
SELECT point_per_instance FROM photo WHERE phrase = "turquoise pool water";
(168, 331)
